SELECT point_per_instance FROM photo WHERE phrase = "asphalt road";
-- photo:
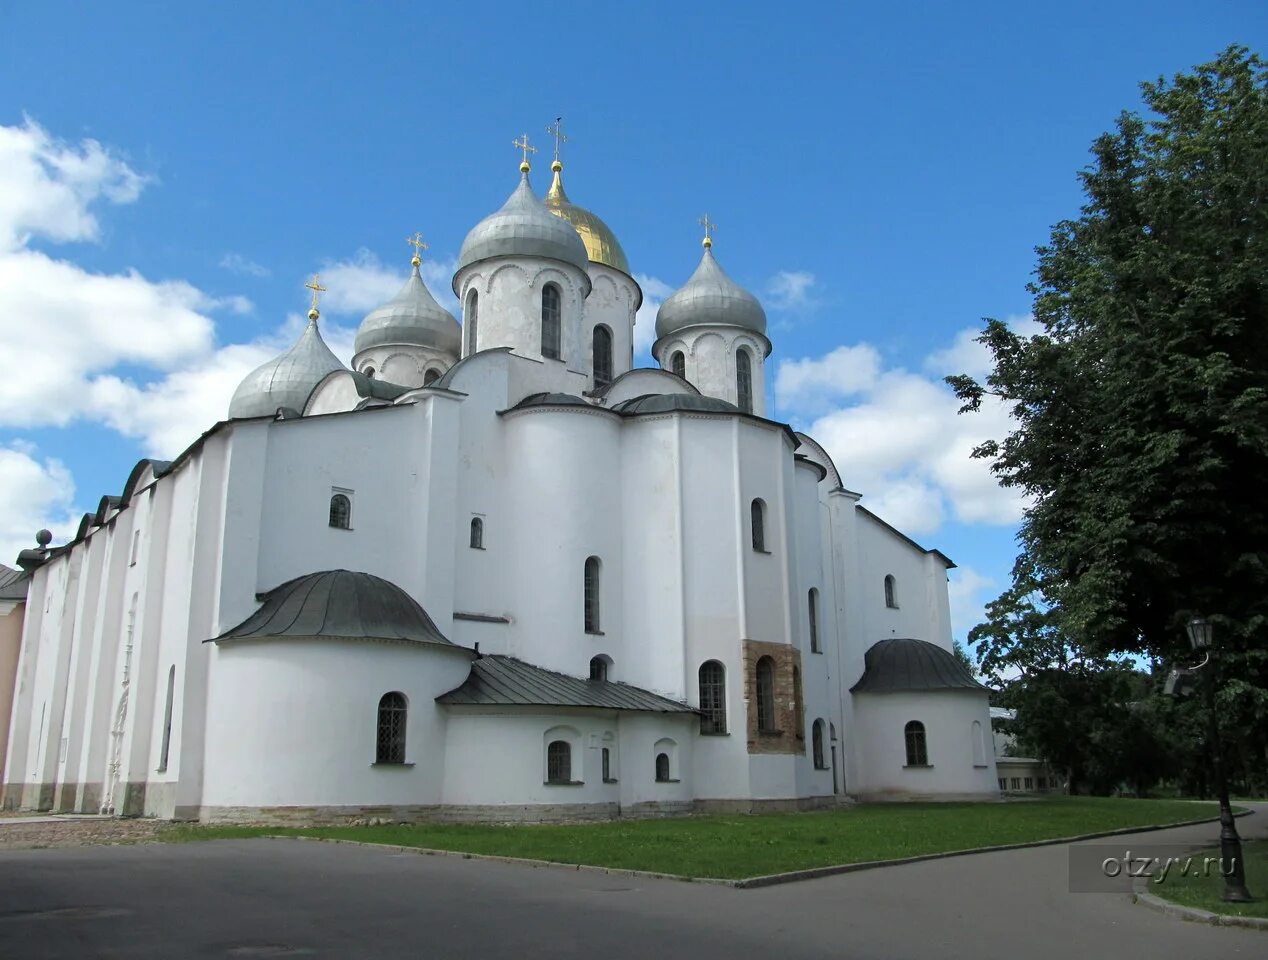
(279, 898)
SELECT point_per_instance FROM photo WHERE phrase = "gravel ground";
(17, 835)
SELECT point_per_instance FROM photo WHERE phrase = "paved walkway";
(277, 898)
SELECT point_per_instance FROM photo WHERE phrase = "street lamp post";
(1232, 866)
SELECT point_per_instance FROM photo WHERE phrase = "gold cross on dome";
(709, 227)
(416, 241)
(524, 145)
(315, 286)
(556, 130)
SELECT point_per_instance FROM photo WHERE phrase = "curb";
(772, 879)
(1191, 914)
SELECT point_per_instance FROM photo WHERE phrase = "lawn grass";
(1203, 892)
(735, 847)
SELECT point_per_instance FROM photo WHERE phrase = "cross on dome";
(315, 286)
(709, 227)
(523, 144)
(416, 241)
(556, 130)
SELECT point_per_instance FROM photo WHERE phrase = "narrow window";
(430, 377)
(816, 741)
(477, 533)
(341, 511)
(167, 720)
(766, 695)
(891, 592)
(812, 607)
(743, 381)
(559, 762)
(599, 668)
(592, 595)
(678, 364)
(607, 765)
(1015, 783)
(799, 710)
(662, 768)
(917, 754)
(1002, 784)
(369, 372)
(602, 350)
(757, 518)
(471, 321)
(390, 742)
(550, 321)
(136, 547)
(712, 697)
(1030, 783)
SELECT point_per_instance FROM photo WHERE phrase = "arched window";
(917, 752)
(678, 364)
(816, 745)
(471, 320)
(167, 719)
(662, 768)
(430, 377)
(812, 607)
(477, 533)
(559, 762)
(712, 697)
(757, 519)
(765, 695)
(979, 743)
(891, 592)
(390, 741)
(551, 323)
(341, 511)
(599, 667)
(799, 710)
(601, 344)
(369, 372)
(743, 381)
(591, 588)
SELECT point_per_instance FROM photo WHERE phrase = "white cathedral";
(494, 572)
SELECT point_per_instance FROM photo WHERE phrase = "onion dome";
(710, 297)
(288, 380)
(523, 228)
(412, 317)
(600, 242)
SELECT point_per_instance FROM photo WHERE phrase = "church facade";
(492, 571)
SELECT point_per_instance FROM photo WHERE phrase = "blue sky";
(880, 178)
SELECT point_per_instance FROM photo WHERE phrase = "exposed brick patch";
(788, 723)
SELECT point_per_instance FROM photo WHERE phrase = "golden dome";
(601, 243)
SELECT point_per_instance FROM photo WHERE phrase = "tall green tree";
(1141, 408)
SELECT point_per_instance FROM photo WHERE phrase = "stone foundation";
(788, 805)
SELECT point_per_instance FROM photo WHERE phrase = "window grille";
(559, 762)
(390, 747)
(766, 695)
(757, 519)
(551, 324)
(477, 533)
(662, 768)
(743, 381)
(591, 598)
(712, 697)
(602, 349)
(917, 754)
(341, 511)
(678, 364)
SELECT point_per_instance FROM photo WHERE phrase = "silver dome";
(285, 381)
(524, 228)
(412, 317)
(710, 297)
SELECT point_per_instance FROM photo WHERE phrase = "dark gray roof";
(897, 665)
(665, 402)
(13, 583)
(550, 400)
(504, 681)
(339, 603)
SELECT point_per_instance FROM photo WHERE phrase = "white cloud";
(36, 494)
(898, 439)
(790, 289)
(969, 592)
(46, 186)
(654, 293)
(358, 284)
(967, 356)
(237, 263)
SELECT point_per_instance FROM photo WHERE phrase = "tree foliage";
(1141, 408)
